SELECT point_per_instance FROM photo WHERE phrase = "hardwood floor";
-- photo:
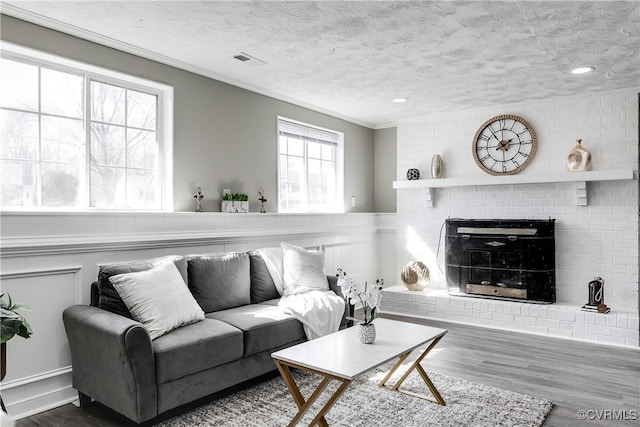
(575, 376)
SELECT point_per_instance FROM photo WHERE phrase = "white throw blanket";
(320, 312)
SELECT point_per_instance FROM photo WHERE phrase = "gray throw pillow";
(220, 281)
(108, 298)
(262, 286)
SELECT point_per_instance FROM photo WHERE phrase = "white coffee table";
(342, 357)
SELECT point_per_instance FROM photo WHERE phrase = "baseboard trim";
(41, 403)
(58, 392)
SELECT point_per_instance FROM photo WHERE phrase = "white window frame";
(94, 73)
(339, 165)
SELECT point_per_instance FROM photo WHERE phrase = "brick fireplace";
(596, 238)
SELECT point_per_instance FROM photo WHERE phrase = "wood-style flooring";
(575, 376)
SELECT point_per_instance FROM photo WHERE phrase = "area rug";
(269, 404)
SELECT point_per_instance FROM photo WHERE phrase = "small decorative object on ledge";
(234, 203)
(415, 276)
(262, 200)
(198, 196)
(579, 159)
(596, 297)
(437, 166)
(369, 296)
(367, 333)
(413, 174)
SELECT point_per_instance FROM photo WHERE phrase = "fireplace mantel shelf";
(579, 178)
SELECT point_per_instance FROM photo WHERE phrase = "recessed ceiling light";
(582, 70)
(399, 100)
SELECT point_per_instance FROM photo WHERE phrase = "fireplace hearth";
(501, 259)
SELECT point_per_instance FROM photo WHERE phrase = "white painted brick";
(622, 321)
(601, 319)
(524, 320)
(504, 318)
(460, 312)
(611, 320)
(548, 323)
(567, 326)
(482, 314)
(598, 330)
(632, 342)
(590, 318)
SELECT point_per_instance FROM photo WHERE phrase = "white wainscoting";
(38, 369)
(48, 261)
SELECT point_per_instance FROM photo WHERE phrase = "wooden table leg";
(415, 365)
(303, 406)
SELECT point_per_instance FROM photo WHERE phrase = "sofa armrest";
(348, 309)
(112, 360)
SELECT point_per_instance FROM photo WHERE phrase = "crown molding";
(72, 30)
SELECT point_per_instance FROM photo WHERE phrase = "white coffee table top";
(343, 355)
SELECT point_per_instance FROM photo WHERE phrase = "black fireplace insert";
(501, 259)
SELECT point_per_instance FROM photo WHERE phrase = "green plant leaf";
(8, 328)
(20, 307)
(25, 330)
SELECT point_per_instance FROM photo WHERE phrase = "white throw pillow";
(303, 270)
(158, 298)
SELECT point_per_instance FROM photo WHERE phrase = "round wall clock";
(504, 145)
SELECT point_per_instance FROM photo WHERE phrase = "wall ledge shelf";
(578, 178)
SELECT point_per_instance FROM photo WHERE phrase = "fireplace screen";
(502, 259)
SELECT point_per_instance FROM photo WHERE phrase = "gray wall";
(224, 136)
(385, 143)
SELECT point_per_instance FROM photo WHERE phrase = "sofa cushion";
(262, 286)
(158, 298)
(196, 347)
(220, 281)
(303, 270)
(265, 326)
(108, 298)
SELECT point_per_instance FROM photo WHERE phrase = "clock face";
(504, 145)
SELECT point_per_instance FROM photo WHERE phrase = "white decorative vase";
(437, 166)
(367, 333)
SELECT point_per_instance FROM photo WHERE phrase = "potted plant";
(235, 203)
(369, 297)
(12, 324)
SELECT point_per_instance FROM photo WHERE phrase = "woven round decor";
(415, 276)
(413, 174)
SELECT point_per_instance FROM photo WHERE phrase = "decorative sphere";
(415, 276)
(413, 174)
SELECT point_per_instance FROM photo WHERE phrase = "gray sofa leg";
(85, 400)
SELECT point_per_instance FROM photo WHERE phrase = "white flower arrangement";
(368, 295)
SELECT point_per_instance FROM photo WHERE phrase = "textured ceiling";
(352, 58)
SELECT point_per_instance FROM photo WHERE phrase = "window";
(73, 136)
(309, 169)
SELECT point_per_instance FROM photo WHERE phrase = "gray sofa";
(116, 363)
